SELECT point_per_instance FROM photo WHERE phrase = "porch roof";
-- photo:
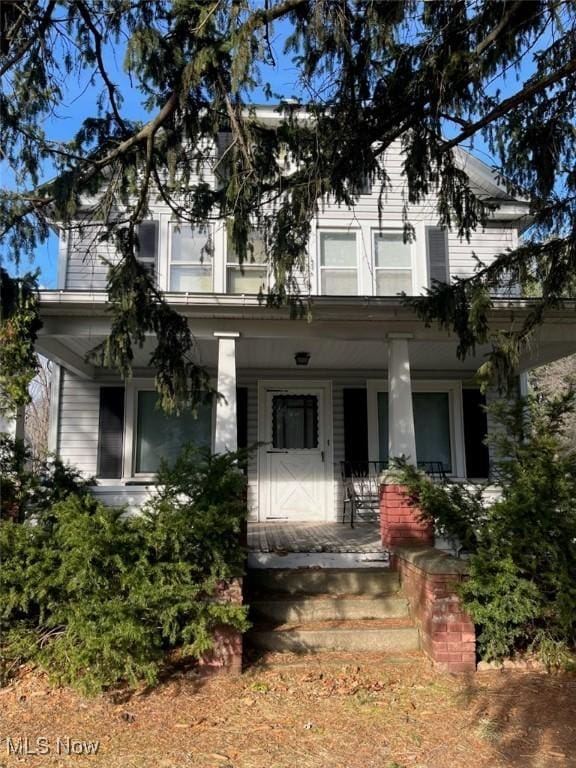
(344, 333)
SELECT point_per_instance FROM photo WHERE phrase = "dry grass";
(286, 711)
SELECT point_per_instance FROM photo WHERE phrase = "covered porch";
(355, 384)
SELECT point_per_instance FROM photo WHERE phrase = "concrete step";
(388, 636)
(328, 608)
(330, 560)
(353, 581)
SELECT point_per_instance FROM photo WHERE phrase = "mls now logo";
(23, 746)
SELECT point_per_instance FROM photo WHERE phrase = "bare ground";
(286, 711)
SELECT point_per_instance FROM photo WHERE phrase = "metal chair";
(361, 486)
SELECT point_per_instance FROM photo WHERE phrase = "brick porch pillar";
(400, 523)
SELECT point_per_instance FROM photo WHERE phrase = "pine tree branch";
(33, 39)
(98, 39)
(512, 102)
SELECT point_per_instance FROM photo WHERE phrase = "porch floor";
(283, 537)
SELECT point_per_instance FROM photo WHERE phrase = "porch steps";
(351, 581)
(308, 611)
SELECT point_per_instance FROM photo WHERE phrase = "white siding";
(87, 268)
(86, 256)
(78, 423)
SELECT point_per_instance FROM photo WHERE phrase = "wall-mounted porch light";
(302, 358)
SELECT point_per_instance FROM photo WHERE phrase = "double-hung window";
(250, 277)
(392, 263)
(191, 259)
(338, 263)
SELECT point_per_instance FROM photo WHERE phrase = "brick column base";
(226, 655)
(400, 521)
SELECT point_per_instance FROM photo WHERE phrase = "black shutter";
(242, 416)
(111, 432)
(437, 249)
(355, 425)
(475, 431)
(148, 244)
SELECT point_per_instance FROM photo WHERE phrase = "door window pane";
(159, 436)
(431, 424)
(295, 421)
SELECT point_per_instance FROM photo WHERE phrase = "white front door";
(295, 466)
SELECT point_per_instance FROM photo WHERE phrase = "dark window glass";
(295, 421)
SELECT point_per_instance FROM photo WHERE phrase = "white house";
(361, 380)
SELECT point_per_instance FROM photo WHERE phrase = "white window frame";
(456, 416)
(375, 269)
(132, 390)
(324, 229)
(172, 225)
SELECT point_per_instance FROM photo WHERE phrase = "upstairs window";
(338, 264)
(392, 264)
(191, 259)
(250, 277)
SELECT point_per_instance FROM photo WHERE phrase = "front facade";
(361, 380)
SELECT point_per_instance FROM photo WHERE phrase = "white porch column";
(226, 438)
(401, 434)
(13, 424)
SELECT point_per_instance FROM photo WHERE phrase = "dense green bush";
(521, 590)
(97, 597)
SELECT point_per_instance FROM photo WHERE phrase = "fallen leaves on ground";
(330, 709)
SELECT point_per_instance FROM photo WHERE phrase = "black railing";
(361, 481)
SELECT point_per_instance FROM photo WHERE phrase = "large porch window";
(438, 423)
(161, 437)
(431, 425)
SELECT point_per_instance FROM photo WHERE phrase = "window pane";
(160, 436)
(431, 424)
(338, 249)
(256, 249)
(191, 244)
(295, 421)
(390, 250)
(393, 282)
(252, 281)
(191, 279)
(339, 282)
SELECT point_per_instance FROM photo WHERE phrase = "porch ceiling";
(344, 336)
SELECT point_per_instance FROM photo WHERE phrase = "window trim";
(375, 269)
(172, 225)
(454, 391)
(323, 230)
(133, 388)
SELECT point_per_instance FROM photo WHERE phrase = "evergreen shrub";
(521, 589)
(99, 597)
